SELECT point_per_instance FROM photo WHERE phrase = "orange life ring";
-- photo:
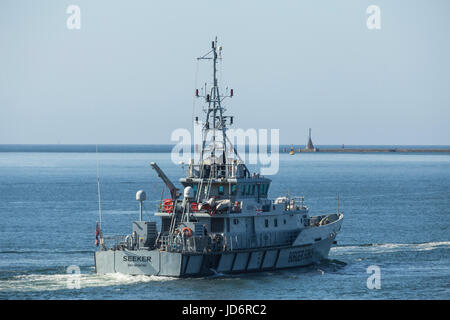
(168, 205)
(187, 231)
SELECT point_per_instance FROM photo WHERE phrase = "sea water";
(396, 217)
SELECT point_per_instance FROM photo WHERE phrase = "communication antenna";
(98, 190)
(338, 203)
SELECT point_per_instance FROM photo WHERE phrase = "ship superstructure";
(223, 220)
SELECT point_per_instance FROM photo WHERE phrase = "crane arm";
(174, 192)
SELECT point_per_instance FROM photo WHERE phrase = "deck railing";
(205, 243)
(113, 242)
(177, 243)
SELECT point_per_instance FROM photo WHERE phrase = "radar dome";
(188, 192)
(141, 196)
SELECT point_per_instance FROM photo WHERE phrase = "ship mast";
(215, 120)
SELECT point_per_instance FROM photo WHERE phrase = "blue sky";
(128, 75)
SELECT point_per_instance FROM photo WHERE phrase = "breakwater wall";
(367, 150)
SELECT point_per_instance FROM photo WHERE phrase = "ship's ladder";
(208, 188)
(199, 191)
(176, 219)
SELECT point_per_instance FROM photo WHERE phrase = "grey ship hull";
(176, 264)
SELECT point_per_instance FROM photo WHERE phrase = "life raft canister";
(187, 231)
(194, 206)
(168, 205)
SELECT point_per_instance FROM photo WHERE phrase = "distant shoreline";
(166, 148)
(370, 150)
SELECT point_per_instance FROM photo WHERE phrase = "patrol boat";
(222, 221)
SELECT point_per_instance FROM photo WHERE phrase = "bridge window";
(266, 222)
(235, 221)
(243, 189)
(221, 190)
(253, 189)
(247, 189)
(275, 223)
(233, 189)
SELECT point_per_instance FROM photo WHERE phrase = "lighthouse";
(310, 145)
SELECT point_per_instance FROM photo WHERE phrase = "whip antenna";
(98, 189)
